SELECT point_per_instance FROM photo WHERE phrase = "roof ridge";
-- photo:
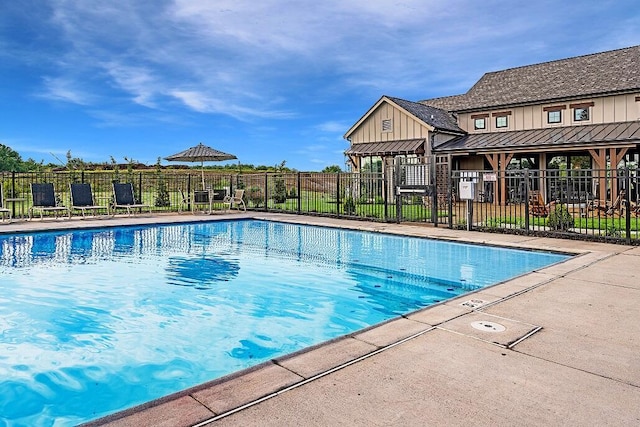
(571, 58)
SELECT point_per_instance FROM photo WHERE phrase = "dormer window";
(387, 125)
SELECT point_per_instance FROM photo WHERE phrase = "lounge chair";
(82, 199)
(44, 200)
(124, 198)
(537, 206)
(604, 208)
(235, 200)
(5, 212)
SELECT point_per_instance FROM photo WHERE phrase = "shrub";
(255, 196)
(560, 219)
(279, 190)
(349, 206)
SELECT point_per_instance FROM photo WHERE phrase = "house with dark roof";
(579, 112)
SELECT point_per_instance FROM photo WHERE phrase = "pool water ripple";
(96, 321)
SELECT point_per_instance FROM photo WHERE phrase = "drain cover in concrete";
(488, 326)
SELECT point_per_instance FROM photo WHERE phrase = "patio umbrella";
(200, 153)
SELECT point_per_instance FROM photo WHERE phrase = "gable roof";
(430, 116)
(604, 73)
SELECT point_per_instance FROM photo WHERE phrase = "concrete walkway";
(569, 353)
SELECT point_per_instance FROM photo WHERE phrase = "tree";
(162, 195)
(332, 169)
(280, 188)
(10, 160)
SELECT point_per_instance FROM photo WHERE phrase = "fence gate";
(421, 189)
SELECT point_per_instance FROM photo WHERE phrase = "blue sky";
(267, 80)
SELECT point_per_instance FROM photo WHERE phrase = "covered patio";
(607, 146)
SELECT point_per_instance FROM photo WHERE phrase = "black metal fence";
(344, 194)
(591, 204)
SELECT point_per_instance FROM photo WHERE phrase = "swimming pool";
(96, 321)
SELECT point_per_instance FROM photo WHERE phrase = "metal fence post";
(396, 193)
(526, 200)
(385, 197)
(299, 193)
(266, 191)
(433, 177)
(449, 196)
(338, 194)
(13, 193)
(189, 192)
(627, 204)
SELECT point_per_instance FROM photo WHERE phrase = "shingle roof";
(560, 137)
(436, 117)
(615, 71)
(447, 103)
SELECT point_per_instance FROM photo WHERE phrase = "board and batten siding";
(403, 125)
(606, 109)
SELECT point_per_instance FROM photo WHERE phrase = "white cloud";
(247, 59)
(333, 127)
(63, 89)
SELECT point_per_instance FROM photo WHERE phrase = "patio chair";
(124, 198)
(235, 200)
(604, 208)
(82, 199)
(199, 198)
(537, 206)
(44, 200)
(5, 212)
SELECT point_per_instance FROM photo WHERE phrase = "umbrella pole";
(202, 167)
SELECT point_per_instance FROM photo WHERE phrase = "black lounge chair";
(125, 199)
(44, 200)
(82, 199)
(5, 212)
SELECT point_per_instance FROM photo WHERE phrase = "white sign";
(493, 177)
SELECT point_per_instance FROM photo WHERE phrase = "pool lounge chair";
(82, 199)
(125, 199)
(604, 208)
(235, 200)
(44, 200)
(3, 210)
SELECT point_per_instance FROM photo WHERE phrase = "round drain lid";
(488, 326)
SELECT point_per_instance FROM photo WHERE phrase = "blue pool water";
(96, 321)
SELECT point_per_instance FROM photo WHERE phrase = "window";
(387, 125)
(479, 123)
(580, 114)
(501, 122)
(554, 116)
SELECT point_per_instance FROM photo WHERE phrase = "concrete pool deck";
(569, 353)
